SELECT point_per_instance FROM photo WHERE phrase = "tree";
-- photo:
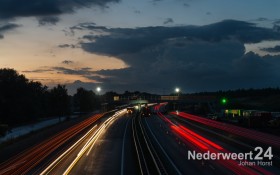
(21, 100)
(59, 100)
(84, 100)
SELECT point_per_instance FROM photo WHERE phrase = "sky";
(147, 45)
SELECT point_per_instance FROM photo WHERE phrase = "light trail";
(247, 133)
(193, 140)
(200, 142)
(201, 138)
(57, 160)
(91, 142)
(35, 155)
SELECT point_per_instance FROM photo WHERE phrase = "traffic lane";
(177, 151)
(63, 164)
(106, 155)
(228, 141)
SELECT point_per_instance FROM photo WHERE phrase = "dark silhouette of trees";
(85, 100)
(20, 99)
(59, 101)
(24, 101)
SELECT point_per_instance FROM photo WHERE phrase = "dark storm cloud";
(272, 49)
(127, 41)
(48, 20)
(254, 70)
(19, 8)
(196, 58)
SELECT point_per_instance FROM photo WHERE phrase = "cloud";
(84, 71)
(272, 49)
(168, 20)
(186, 5)
(197, 58)
(48, 20)
(17, 8)
(67, 46)
(262, 19)
(39, 70)
(7, 27)
(120, 41)
(98, 78)
(69, 71)
(276, 21)
(276, 28)
(67, 62)
(88, 26)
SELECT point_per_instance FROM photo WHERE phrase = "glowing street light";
(98, 89)
(177, 90)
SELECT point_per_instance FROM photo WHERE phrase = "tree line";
(22, 100)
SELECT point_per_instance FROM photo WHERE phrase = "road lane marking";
(123, 144)
(162, 149)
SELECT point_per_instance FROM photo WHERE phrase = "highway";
(113, 152)
(127, 144)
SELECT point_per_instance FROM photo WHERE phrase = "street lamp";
(177, 90)
(98, 89)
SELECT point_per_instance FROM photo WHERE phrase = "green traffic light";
(224, 101)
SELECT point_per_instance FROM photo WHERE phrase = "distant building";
(249, 118)
(169, 98)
